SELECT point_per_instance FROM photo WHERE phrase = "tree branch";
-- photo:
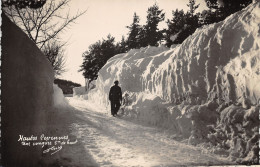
(26, 28)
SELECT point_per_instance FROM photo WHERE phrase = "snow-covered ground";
(119, 142)
(205, 89)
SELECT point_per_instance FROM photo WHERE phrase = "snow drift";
(59, 100)
(27, 90)
(78, 91)
(205, 89)
(218, 61)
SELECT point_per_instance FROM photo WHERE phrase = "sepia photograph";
(130, 83)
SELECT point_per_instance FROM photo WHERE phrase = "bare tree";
(44, 23)
(43, 26)
(24, 3)
(54, 52)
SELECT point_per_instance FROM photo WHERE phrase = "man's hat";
(116, 82)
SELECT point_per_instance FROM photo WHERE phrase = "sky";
(105, 17)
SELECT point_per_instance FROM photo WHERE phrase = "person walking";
(115, 97)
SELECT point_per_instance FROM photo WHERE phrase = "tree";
(96, 57)
(142, 37)
(108, 49)
(43, 24)
(227, 6)
(151, 34)
(122, 46)
(220, 9)
(192, 19)
(55, 54)
(133, 40)
(209, 16)
(175, 26)
(89, 67)
(182, 24)
(22, 4)
(192, 5)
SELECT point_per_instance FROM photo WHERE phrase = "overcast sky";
(105, 17)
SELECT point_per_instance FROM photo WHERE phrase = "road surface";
(118, 142)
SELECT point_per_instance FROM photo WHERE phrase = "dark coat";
(115, 94)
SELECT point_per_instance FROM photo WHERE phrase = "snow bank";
(237, 131)
(27, 89)
(188, 87)
(58, 97)
(128, 69)
(218, 61)
(79, 91)
(221, 60)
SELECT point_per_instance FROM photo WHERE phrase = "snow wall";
(206, 89)
(27, 95)
(59, 101)
(218, 61)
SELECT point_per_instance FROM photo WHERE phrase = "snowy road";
(118, 142)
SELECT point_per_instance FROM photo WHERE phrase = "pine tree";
(209, 16)
(108, 49)
(151, 34)
(175, 26)
(133, 38)
(192, 5)
(142, 37)
(122, 46)
(96, 57)
(220, 9)
(90, 65)
(182, 24)
(192, 19)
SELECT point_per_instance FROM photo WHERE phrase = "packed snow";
(58, 98)
(119, 142)
(206, 89)
(107, 141)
